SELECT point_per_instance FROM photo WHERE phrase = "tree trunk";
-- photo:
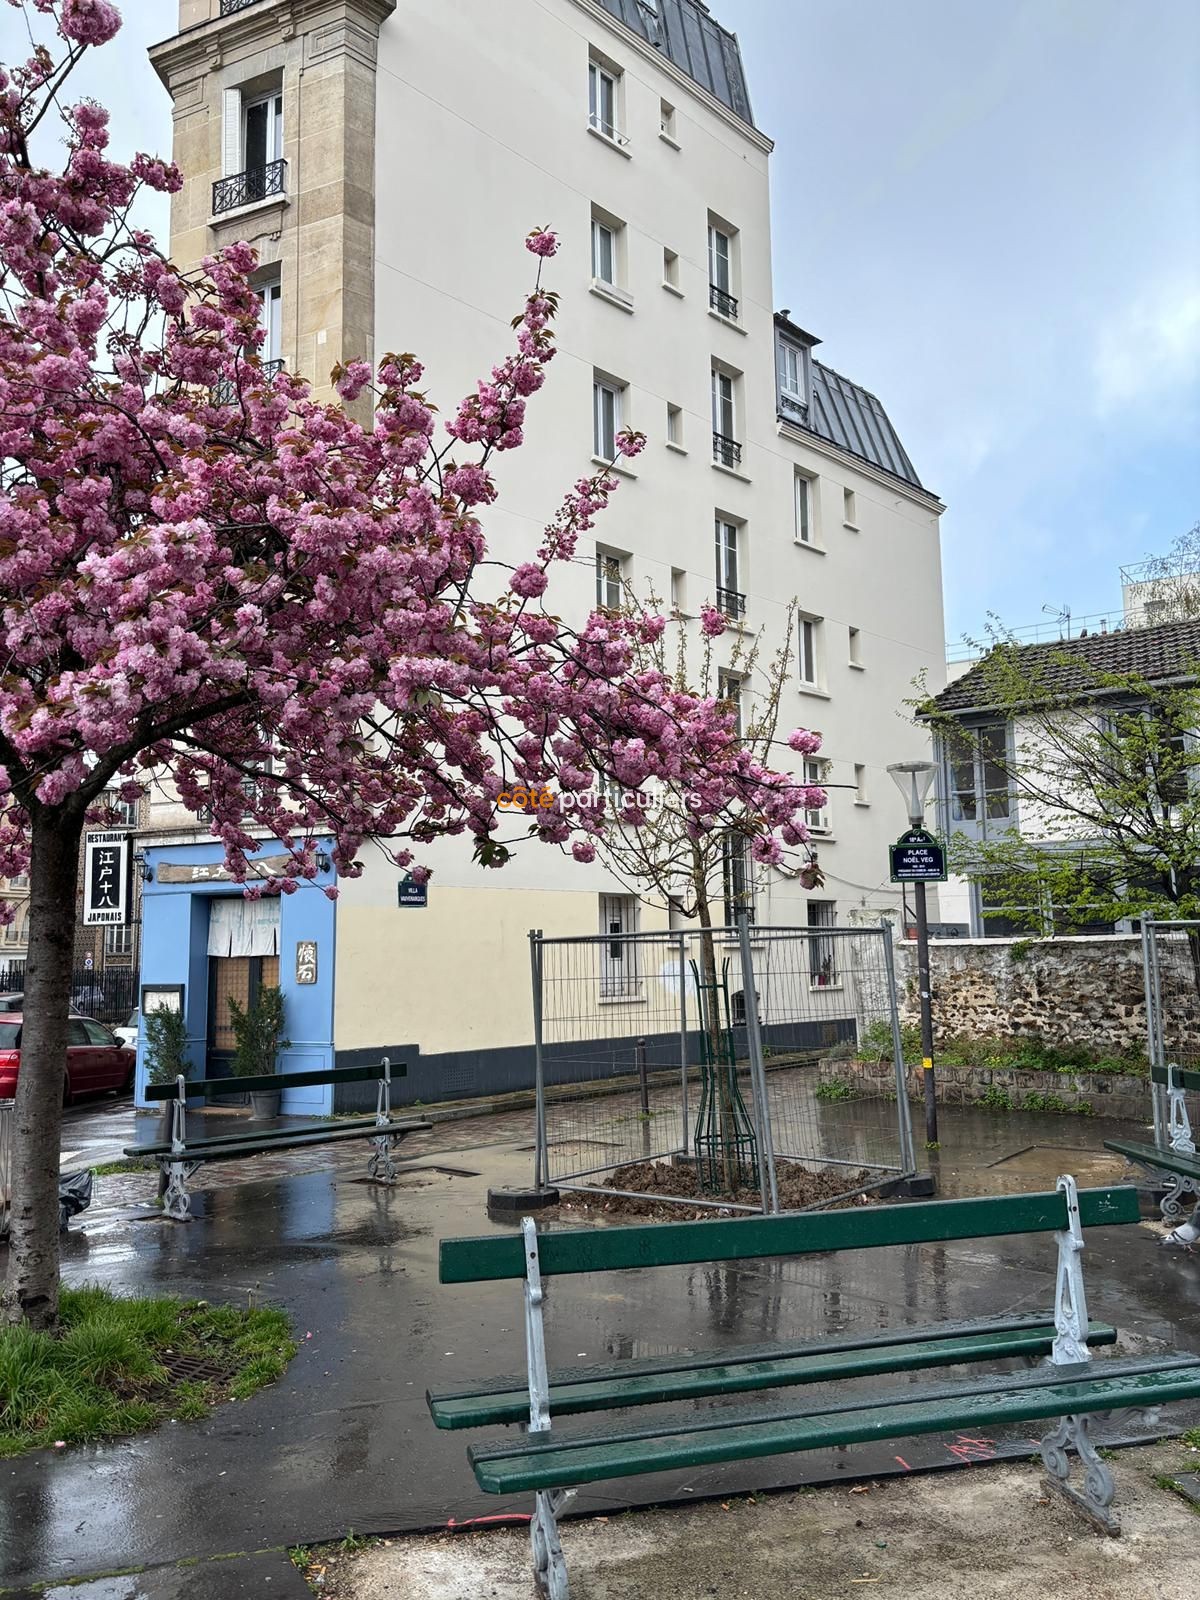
(713, 1020)
(31, 1285)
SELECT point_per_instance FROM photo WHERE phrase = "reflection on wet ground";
(345, 1439)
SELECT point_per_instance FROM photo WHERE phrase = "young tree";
(1105, 768)
(653, 840)
(206, 576)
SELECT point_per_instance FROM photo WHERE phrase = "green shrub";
(835, 1089)
(166, 1045)
(258, 1034)
(996, 1099)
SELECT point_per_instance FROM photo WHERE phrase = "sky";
(989, 211)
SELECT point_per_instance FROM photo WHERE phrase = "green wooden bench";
(1176, 1156)
(1067, 1387)
(179, 1157)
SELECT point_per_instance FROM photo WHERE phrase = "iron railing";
(245, 188)
(228, 7)
(732, 602)
(225, 390)
(726, 451)
(722, 302)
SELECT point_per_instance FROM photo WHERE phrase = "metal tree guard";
(724, 1141)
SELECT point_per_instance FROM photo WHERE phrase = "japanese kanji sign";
(107, 858)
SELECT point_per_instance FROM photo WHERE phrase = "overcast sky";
(989, 210)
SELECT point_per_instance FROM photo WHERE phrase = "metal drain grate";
(192, 1369)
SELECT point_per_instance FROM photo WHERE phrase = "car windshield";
(10, 1035)
(12, 1002)
(131, 1021)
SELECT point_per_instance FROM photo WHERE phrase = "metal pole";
(683, 1046)
(1154, 1046)
(639, 1055)
(541, 1161)
(768, 1185)
(908, 1157)
(923, 985)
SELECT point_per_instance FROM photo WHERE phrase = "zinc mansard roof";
(693, 41)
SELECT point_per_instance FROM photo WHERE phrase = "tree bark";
(31, 1283)
(714, 1021)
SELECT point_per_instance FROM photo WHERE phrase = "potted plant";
(258, 1031)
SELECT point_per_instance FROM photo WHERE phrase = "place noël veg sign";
(917, 857)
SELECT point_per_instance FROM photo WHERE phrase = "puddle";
(1088, 1167)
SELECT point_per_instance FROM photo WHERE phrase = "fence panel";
(625, 1050)
(108, 994)
(1171, 958)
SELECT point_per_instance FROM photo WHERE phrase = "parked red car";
(96, 1059)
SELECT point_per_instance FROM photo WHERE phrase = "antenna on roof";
(1063, 618)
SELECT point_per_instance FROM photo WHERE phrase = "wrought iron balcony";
(244, 188)
(722, 302)
(225, 392)
(732, 602)
(726, 451)
(228, 7)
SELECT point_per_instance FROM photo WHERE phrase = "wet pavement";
(345, 1441)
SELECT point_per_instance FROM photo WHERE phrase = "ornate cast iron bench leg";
(1179, 1134)
(1070, 1349)
(549, 1563)
(380, 1165)
(177, 1169)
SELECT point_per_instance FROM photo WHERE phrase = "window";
(729, 690)
(737, 877)
(730, 598)
(791, 365)
(270, 318)
(804, 509)
(671, 270)
(849, 508)
(816, 818)
(14, 932)
(675, 425)
(822, 949)
(721, 298)
(118, 941)
(979, 774)
(602, 101)
(606, 417)
(666, 120)
(124, 812)
(860, 785)
(808, 639)
(678, 589)
(262, 131)
(609, 580)
(855, 642)
(618, 951)
(727, 452)
(604, 251)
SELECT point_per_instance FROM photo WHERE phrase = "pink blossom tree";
(205, 576)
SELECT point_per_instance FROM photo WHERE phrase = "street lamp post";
(913, 779)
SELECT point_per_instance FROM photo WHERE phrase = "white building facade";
(387, 160)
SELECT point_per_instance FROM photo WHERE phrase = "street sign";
(107, 860)
(412, 894)
(917, 857)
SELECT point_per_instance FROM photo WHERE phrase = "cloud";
(1150, 351)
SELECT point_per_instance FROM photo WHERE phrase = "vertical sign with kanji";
(106, 869)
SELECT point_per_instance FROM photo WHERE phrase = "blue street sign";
(412, 894)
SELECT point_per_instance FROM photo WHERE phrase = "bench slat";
(478, 1260)
(269, 1083)
(1184, 1078)
(228, 1149)
(265, 1134)
(1151, 1156)
(927, 1347)
(555, 1463)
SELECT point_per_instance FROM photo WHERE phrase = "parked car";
(14, 1000)
(96, 1058)
(127, 1031)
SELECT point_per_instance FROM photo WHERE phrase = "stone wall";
(1066, 991)
(1101, 1094)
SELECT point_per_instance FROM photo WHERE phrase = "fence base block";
(921, 1186)
(520, 1202)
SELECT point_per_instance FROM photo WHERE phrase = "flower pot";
(265, 1105)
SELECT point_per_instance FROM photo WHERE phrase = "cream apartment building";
(386, 158)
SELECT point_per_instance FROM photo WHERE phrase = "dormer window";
(791, 361)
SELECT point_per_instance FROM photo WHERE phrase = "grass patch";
(108, 1369)
(1021, 1053)
(127, 1164)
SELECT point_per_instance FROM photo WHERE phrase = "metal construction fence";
(1171, 962)
(652, 1045)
